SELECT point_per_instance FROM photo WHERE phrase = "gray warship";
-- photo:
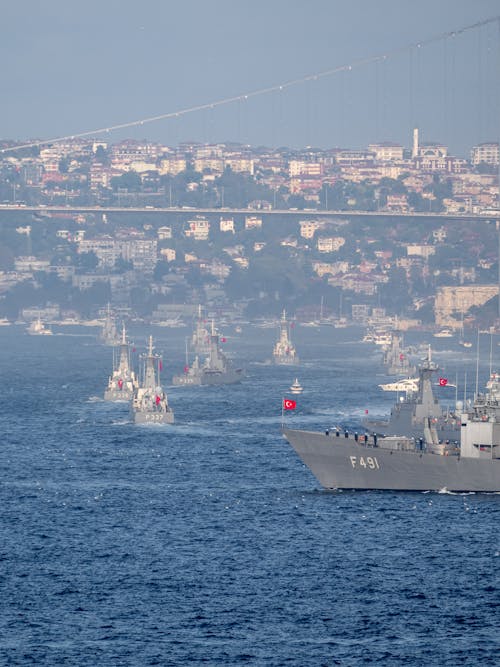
(122, 382)
(150, 403)
(396, 359)
(284, 353)
(217, 368)
(342, 460)
(418, 404)
(200, 339)
(109, 334)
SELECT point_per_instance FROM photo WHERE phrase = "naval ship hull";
(343, 463)
(118, 396)
(153, 417)
(208, 378)
(284, 360)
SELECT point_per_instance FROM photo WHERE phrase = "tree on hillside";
(130, 181)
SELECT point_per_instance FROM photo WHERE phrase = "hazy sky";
(74, 65)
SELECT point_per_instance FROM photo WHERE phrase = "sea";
(208, 542)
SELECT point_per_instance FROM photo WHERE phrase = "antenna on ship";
(477, 365)
(491, 351)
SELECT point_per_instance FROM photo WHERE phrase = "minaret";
(414, 151)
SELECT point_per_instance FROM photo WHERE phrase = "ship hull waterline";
(118, 396)
(208, 378)
(153, 417)
(342, 463)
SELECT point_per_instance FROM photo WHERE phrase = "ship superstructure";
(200, 339)
(415, 405)
(396, 358)
(123, 381)
(109, 334)
(284, 352)
(150, 403)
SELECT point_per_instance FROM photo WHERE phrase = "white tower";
(414, 152)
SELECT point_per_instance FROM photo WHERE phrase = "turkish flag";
(288, 404)
(443, 382)
(120, 383)
(222, 340)
(158, 399)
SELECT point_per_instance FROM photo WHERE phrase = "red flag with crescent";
(158, 399)
(288, 404)
(120, 383)
(443, 382)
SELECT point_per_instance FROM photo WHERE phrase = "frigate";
(284, 353)
(150, 403)
(215, 370)
(122, 382)
(415, 405)
(343, 460)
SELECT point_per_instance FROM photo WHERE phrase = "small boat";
(444, 333)
(37, 328)
(296, 387)
(408, 385)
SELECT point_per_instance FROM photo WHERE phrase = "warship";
(149, 402)
(216, 369)
(396, 359)
(416, 406)
(108, 334)
(284, 353)
(122, 382)
(200, 339)
(342, 460)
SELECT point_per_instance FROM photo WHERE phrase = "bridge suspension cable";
(356, 64)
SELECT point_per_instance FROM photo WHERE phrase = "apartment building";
(486, 152)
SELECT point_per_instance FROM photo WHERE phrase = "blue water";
(209, 543)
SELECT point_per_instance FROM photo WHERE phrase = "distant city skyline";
(77, 68)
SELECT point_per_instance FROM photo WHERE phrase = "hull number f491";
(369, 462)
